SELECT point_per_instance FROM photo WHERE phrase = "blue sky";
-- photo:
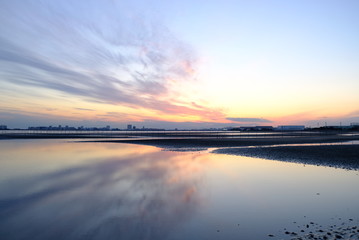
(179, 63)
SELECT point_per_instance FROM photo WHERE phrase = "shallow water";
(54, 189)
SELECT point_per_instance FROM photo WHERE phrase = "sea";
(68, 189)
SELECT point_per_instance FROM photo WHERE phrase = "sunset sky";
(180, 63)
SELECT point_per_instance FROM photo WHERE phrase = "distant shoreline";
(198, 139)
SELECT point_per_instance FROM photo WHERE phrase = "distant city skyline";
(179, 64)
(353, 126)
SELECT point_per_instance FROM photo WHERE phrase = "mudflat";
(342, 156)
(233, 142)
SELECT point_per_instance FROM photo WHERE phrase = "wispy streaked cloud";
(84, 109)
(250, 120)
(101, 51)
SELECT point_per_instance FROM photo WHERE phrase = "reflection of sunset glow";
(140, 183)
(188, 195)
(142, 192)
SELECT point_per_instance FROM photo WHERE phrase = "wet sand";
(232, 142)
(342, 156)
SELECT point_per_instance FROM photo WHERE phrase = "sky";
(179, 64)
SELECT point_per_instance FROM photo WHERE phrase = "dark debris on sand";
(346, 230)
(349, 232)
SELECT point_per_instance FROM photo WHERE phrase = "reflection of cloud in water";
(142, 197)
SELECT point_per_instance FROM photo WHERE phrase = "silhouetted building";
(3, 127)
(129, 127)
(252, 128)
(69, 128)
(290, 128)
(264, 128)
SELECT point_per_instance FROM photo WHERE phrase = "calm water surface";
(54, 189)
